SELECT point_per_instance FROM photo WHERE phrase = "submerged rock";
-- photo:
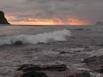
(3, 20)
(95, 63)
(79, 74)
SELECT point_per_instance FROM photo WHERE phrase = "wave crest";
(45, 37)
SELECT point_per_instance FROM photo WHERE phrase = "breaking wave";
(59, 35)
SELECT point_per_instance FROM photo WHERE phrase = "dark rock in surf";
(3, 20)
(29, 70)
(99, 23)
(30, 73)
(18, 43)
(26, 67)
(61, 67)
(34, 74)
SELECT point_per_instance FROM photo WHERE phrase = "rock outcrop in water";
(99, 23)
(30, 70)
(3, 20)
(17, 43)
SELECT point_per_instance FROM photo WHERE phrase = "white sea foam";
(59, 35)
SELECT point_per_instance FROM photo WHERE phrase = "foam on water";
(59, 35)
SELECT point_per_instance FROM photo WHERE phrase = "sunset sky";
(53, 11)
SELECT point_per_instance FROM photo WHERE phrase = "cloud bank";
(83, 9)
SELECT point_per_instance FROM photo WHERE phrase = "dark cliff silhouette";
(3, 20)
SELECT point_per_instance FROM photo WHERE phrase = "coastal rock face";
(3, 20)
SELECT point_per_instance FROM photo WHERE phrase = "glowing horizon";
(49, 21)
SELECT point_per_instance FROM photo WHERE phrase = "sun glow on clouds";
(74, 21)
(50, 21)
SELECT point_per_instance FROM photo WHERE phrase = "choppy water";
(53, 45)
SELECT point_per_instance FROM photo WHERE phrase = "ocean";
(46, 46)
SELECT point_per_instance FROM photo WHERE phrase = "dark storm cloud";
(84, 9)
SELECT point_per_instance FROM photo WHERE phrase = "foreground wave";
(59, 35)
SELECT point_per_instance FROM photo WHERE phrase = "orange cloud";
(50, 21)
(75, 21)
(10, 18)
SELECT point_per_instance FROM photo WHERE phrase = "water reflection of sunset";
(49, 21)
